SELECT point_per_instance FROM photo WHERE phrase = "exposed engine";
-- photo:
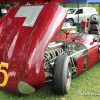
(54, 50)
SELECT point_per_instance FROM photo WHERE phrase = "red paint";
(34, 0)
(92, 54)
(84, 23)
(80, 64)
(24, 47)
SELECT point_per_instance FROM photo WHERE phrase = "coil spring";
(52, 54)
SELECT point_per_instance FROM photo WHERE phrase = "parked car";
(33, 52)
(3, 11)
(75, 15)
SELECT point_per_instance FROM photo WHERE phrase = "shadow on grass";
(83, 83)
(46, 93)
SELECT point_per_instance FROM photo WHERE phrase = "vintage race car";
(33, 52)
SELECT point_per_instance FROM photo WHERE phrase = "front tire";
(71, 21)
(62, 75)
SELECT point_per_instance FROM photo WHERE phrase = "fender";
(24, 36)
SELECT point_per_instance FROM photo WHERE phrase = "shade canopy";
(82, 1)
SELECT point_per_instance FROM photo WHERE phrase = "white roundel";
(31, 13)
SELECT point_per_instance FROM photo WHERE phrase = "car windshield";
(71, 11)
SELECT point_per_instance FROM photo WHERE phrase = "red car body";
(24, 47)
(92, 54)
(24, 36)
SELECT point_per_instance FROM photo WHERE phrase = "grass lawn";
(84, 87)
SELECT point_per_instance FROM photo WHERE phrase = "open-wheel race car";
(33, 52)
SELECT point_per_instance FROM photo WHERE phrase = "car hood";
(34, 0)
(24, 23)
(25, 32)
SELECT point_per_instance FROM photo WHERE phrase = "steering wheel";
(95, 18)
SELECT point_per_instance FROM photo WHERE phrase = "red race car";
(33, 52)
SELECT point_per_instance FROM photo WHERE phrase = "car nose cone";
(25, 88)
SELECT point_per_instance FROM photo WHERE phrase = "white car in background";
(3, 11)
(75, 15)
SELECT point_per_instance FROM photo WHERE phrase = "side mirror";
(94, 40)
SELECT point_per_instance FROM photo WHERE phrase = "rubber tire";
(71, 21)
(60, 75)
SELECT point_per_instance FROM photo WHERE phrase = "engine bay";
(72, 49)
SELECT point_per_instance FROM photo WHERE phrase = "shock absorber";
(49, 61)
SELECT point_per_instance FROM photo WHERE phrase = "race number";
(31, 13)
(3, 64)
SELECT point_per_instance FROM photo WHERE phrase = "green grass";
(88, 82)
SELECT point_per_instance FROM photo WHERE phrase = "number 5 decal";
(3, 64)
